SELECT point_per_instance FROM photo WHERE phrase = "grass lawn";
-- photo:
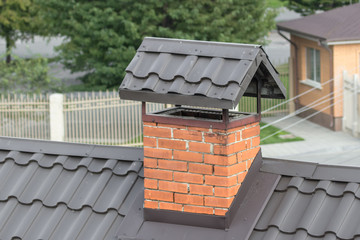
(280, 137)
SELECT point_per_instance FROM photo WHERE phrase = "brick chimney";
(196, 169)
(196, 159)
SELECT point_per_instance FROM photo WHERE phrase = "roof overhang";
(199, 73)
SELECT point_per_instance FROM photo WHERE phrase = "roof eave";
(177, 99)
(301, 34)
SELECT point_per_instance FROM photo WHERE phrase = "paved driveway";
(321, 145)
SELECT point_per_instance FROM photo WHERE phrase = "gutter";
(295, 69)
(325, 45)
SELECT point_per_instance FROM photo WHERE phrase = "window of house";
(313, 64)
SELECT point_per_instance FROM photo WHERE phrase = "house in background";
(322, 47)
(200, 175)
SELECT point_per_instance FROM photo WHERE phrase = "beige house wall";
(334, 60)
(326, 74)
(346, 57)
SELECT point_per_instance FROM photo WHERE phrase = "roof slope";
(198, 73)
(323, 202)
(65, 191)
(308, 201)
(340, 24)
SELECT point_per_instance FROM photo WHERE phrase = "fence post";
(355, 109)
(56, 117)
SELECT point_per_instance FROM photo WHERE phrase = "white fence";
(351, 104)
(25, 116)
(87, 117)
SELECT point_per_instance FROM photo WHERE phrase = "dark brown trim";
(184, 218)
(201, 123)
(225, 116)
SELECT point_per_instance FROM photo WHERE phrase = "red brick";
(220, 212)
(200, 168)
(255, 142)
(157, 153)
(251, 132)
(189, 199)
(219, 131)
(173, 187)
(198, 129)
(149, 142)
(188, 135)
(201, 189)
(198, 209)
(230, 170)
(170, 206)
(253, 125)
(149, 124)
(158, 174)
(150, 183)
(199, 147)
(172, 165)
(158, 195)
(172, 144)
(238, 136)
(220, 160)
(151, 204)
(226, 191)
(171, 126)
(157, 132)
(188, 156)
(249, 154)
(150, 162)
(218, 202)
(215, 138)
(220, 181)
(237, 129)
(241, 177)
(230, 149)
(188, 177)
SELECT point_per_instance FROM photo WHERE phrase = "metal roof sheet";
(340, 24)
(311, 209)
(45, 195)
(198, 73)
(60, 196)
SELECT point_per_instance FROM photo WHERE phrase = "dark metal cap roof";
(198, 73)
(340, 24)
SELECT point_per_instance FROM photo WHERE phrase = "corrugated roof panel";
(190, 67)
(51, 196)
(316, 206)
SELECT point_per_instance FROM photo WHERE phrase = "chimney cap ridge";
(199, 73)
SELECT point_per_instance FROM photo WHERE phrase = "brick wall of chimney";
(194, 169)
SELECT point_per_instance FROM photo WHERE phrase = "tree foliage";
(102, 36)
(308, 7)
(18, 20)
(27, 76)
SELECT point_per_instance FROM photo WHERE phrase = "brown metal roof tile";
(163, 68)
(52, 195)
(340, 24)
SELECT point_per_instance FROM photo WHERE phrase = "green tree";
(17, 21)
(102, 36)
(308, 7)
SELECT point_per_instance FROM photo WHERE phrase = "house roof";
(340, 24)
(283, 200)
(53, 190)
(198, 73)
